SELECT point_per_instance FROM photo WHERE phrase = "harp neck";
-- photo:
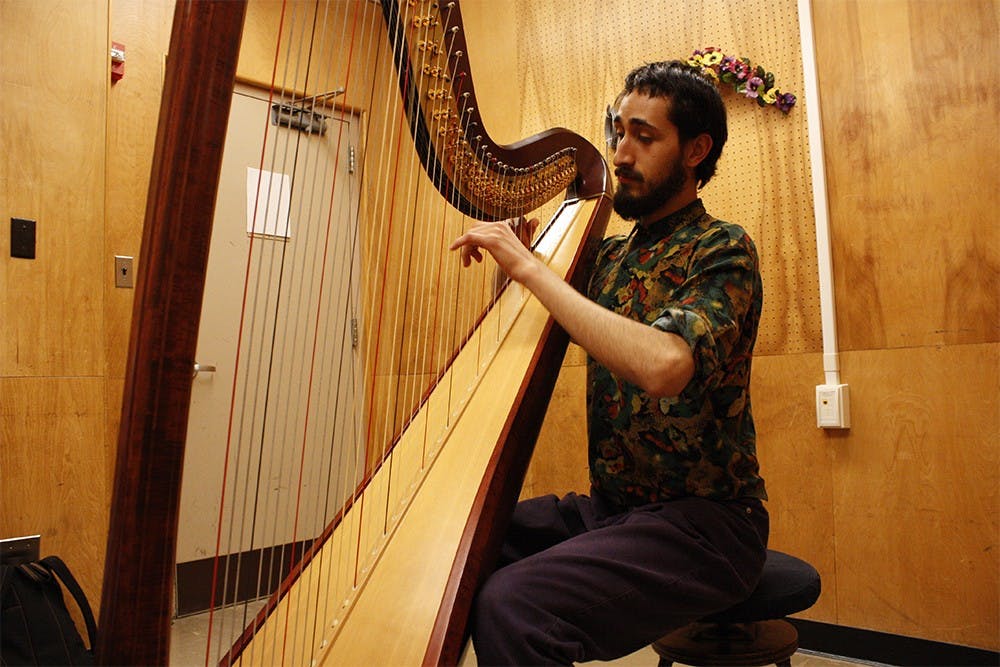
(478, 176)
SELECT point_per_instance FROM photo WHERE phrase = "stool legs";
(730, 644)
(664, 662)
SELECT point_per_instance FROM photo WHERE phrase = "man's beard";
(634, 207)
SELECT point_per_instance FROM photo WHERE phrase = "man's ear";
(697, 149)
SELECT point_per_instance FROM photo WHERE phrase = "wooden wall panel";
(52, 122)
(916, 257)
(916, 489)
(333, 67)
(76, 160)
(911, 136)
(54, 471)
(491, 29)
(559, 464)
(143, 26)
(52, 412)
(796, 461)
(133, 109)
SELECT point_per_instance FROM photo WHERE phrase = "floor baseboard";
(885, 648)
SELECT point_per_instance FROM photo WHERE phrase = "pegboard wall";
(572, 59)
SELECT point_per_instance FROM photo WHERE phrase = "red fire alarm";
(117, 61)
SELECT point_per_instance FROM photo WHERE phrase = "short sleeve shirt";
(698, 277)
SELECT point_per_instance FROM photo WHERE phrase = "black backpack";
(35, 625)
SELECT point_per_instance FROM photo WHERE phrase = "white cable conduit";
(824, 255)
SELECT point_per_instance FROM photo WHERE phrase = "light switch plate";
(22, 238)
(123, 271)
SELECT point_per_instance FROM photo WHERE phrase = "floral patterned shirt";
(696, 276)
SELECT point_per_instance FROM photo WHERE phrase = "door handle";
(202, 368)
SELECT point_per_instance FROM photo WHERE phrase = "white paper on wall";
(268, 197)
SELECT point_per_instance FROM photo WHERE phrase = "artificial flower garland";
(755, 83)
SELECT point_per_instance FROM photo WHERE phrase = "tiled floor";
(648, 658)
(189, 635)
(188, 638)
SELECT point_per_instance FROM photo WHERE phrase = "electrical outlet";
(17, 550)
(833, 406)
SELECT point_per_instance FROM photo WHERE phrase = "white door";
(281, 347)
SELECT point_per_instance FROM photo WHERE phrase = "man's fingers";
(469, 250)
(524, 229)
(469, 253)
(472, 242)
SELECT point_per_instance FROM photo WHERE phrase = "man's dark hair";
(695, 105)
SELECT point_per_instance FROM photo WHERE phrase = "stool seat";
(750, 633)
(787, 586)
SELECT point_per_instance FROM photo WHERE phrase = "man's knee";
(490, 621)
(494, 601)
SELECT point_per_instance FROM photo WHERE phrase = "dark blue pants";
(579, 581)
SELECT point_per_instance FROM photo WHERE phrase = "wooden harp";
(411, 577)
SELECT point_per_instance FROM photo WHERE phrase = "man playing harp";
(674, 527)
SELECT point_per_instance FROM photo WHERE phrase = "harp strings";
(436, 345)
(343, 438)
(294, 384)
(426, 251)
(238, 443)
(231, 546)
(337, 437)
(264, 378)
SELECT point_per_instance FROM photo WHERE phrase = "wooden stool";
(753, 632)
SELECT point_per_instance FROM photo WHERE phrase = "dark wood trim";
(885, 648)
(245, 576)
